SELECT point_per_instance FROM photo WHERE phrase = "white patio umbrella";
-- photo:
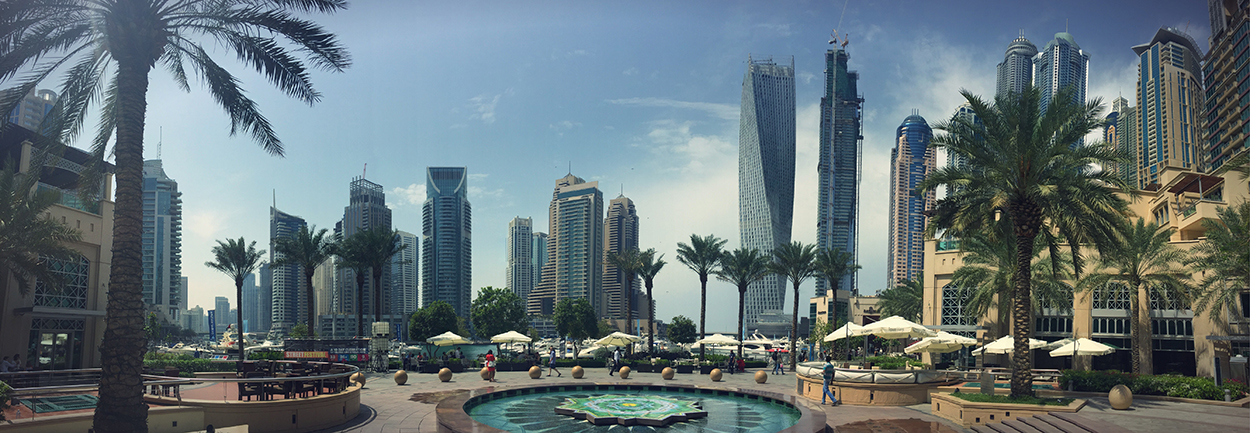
(618, 339)
(446, 339)
(843, 332)
(718, 340)
(944, 342)
(510, 337)
(893, 328)
(1083, 346)
(1007, 344)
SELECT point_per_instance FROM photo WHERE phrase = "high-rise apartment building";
(288, 304)
(841, 142)
(323, 287)
(1121, 132)
(264, 298)
(162, 242)
(182, 300)
(1226, 125)
(911, 161)
(251, 304)
(621, 234)
(1169, 105)
(447, 239)
(222, 316)
(404, 278)
(964, 112)
(766, 173)
(540, 259)
(519, 275)
(366, 210)
(574, 247)
(1060, 65)
(193, 319)
(1015, 73)
(34, 106)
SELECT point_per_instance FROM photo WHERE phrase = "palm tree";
(905, 299)
(989, 264)
(373, 251)
(237, 259)
(628, 262)
(1143, 264)
(1240, 163)
(742, 267)
(1024, 167)
(308, 248)
(702, 256)
(28, 235)
(353, 256)
(796, 262)
(832, 265)
(107, 50)
(1224, 262)
(651, 265)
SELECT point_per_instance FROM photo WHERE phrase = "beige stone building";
(60, 329)
(1182, 342)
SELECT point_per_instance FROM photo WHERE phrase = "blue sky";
(636, 95)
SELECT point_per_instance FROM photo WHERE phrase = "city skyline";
(660, 120)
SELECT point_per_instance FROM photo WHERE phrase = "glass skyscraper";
(1061, 64)
(404, 277)
(1015, 73)
(766, 173)
(841, 142)
(621, 231)
(162, 241)
(910, 162)
(446, 239)
(1170, 102)
(287, 303)
(519, 275)
(366, 210)
(574, 267)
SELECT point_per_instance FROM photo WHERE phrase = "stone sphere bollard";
(444, 374)
(716, 375)
(358, 378)
(761, 377)
(625, 372)
(401, 377)
(578, 372)
(667, 373)
(1121, 397)
(485, 373)
(536, 372)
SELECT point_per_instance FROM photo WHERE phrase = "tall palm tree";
(28, 234)
(651, 265)
(354, 256)
(629, 262)
(796, 262)
(833, 264)
(905, 299)
(375, 249)
(308, 249)
(1224, 262)
(1023, 166)
(741, 267)
(1143, 264)
(107, 50)
(237, 259)
(988, 266)
(702, 256)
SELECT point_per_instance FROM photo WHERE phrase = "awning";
(1191, 182)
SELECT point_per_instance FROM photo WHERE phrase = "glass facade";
(841, 141)
(446, 239)
(911, 161)
(286, 303)
(75, 275)
(162, 241)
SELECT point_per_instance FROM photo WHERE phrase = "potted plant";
(684, 367)
(455, 365)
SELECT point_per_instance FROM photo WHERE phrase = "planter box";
(970, 413)
(429, 368)
(706, 369)
(456, 367)
(684, 369)
(640, 368)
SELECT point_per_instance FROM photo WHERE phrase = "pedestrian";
(776, 362)
(732, 362)
(490, 365)
(6, 365)
(616, 361)
(828, 376)
(552, 366)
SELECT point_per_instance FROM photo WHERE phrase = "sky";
(642, 97)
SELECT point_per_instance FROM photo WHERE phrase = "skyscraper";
(222, 316)
(964, 112)
(288, 306)
(447, 239)
(540, 259)
(621, 234)
(162, 241)
(404, 277)
(519, 275)
(1061, 64)
(766, 172)
(323, 287)
(574, 247)
(264, 301)
(34, 106)
(366, 210)
(251, 302)
(1015, 73)
(182, 300)
(1169, 102)
(1121, 132)
(841, 142)
(910, 162)
(1227, 97)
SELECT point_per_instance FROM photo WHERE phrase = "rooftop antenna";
(570, 167)
(1065, 25)
(275, 198)
(159, 139)
(363, 172)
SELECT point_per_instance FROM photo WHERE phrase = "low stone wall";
(969, 413)
(279, 416)
(172, 419)
(867, 393)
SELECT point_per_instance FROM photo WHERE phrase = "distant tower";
(539, 260)
(519, 275)
(404, 278)
(264, 299)
(963, 112)
(574, 246)
(287, 295)
(366, 210)
(251, 301)
(910, 162)
(446, 239)
(1169, 98)
(1015, 73)
(162, 241)
(1225, 125)
(1061, 64)
(1121, 132)
(766, 173)
(841, 142)
(34, 106)
(621, 234)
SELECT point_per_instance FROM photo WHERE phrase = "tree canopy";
(496, 311)
(434, 319)
(681, 330)
(575, 319)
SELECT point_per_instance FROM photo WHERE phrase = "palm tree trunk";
(651, 321)
(629, 308)
(794, 328)
(311, 294)
(121, 407)
(377, 295)
(702, 311)
(834, 295)
(238, 319)
(1027, 220)
(1142, 335)
(360, 303)
(742, 300)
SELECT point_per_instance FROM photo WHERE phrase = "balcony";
(71, 199)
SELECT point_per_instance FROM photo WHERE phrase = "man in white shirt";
(6, 365)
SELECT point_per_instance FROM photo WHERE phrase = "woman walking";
(490, 365)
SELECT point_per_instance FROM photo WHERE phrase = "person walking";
(552, 366)
(490, 365)
(828, 376)
(733, 362)
(616, 361)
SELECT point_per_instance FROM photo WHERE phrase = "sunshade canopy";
(944, 342)
(845, 331)
(618, 339)
(510, 337)
(719, 340)
(446, 339)
(894, 327)
(1083, 346)
(1006, 345)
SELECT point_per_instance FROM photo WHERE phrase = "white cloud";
(780, 29)
(413, 194)
(563, 125)
(630, 71)
(483, 107)
(805, 77)
(722, 111)
(478, 176)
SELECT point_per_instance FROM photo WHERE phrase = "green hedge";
(991, 398)
(5, 396)
(269, 355)
(184, 363)
(1170, 385)
(893, 362)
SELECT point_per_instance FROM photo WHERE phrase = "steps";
(1055, 422)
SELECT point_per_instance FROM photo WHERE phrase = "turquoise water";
(725, 413)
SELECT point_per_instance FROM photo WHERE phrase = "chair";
(248, 389)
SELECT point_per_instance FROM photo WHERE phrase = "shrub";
(268, 355)
(893, 362)
(1203, 388)
(184, 363)
(991, 398)
(6, 393)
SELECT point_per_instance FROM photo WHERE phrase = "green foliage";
(28, 233)
(605, 329)
(989, 264)
(6, 395)
(905, 299)
(496, 311)
(893, 362)
(575, 319)
(1142, 384)
(681, 330)
(1223, 261)
(434, 319)
(185, 363)
(266, 355)
(992, 398)
(299, 331)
